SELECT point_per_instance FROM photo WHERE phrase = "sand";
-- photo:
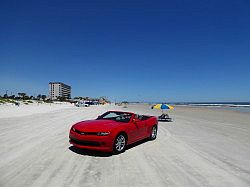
(10, 110)
(202, 147)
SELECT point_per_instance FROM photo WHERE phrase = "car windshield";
(116, 116)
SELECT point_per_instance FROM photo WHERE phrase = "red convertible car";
(113, 131)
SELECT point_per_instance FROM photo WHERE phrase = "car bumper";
(100, 143)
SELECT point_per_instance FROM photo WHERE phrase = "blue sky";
(186, 50)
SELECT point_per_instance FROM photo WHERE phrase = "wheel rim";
(120, 143)
(154, 132)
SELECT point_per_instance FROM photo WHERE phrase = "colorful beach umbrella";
(163, 106)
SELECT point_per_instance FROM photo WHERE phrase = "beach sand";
(10, 110)
(202, 147)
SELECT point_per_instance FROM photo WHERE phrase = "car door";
(140, 126)
(133, 130)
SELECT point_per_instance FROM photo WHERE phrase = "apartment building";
(59, 89)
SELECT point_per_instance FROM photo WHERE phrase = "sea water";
(236, 106)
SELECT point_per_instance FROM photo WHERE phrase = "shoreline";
(243, 109)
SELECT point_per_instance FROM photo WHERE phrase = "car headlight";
(103, 133)
(73, 129)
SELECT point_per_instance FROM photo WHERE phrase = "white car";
(81, 104)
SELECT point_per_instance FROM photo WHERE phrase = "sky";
(133, 50)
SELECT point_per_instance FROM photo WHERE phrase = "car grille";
(85, 143)
(86, 133)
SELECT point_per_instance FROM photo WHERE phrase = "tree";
(61, 98)
(5, 96)
(39, 97)
(12, 97)
(22, 95)
(17, 98)
(26, 97)
(43, 97)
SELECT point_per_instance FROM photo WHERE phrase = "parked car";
(113, 131)
(81, 104)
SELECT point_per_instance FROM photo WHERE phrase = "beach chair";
(165, 117)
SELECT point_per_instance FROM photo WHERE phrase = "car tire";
(153, 133)
(120, 143)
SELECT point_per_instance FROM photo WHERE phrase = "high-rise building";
(59, 89)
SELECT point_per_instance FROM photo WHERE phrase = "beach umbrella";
(163, 106)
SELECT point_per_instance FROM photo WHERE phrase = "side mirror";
(135, 120)
(98, 117)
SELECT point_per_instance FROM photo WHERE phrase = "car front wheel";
(119, 144)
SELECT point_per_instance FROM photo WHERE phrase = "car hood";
(96, 125)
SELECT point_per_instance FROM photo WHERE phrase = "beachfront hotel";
(59, 89)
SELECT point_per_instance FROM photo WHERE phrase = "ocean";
(237, 106)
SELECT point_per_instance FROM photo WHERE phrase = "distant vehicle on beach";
(81, 104)
(113, 131)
